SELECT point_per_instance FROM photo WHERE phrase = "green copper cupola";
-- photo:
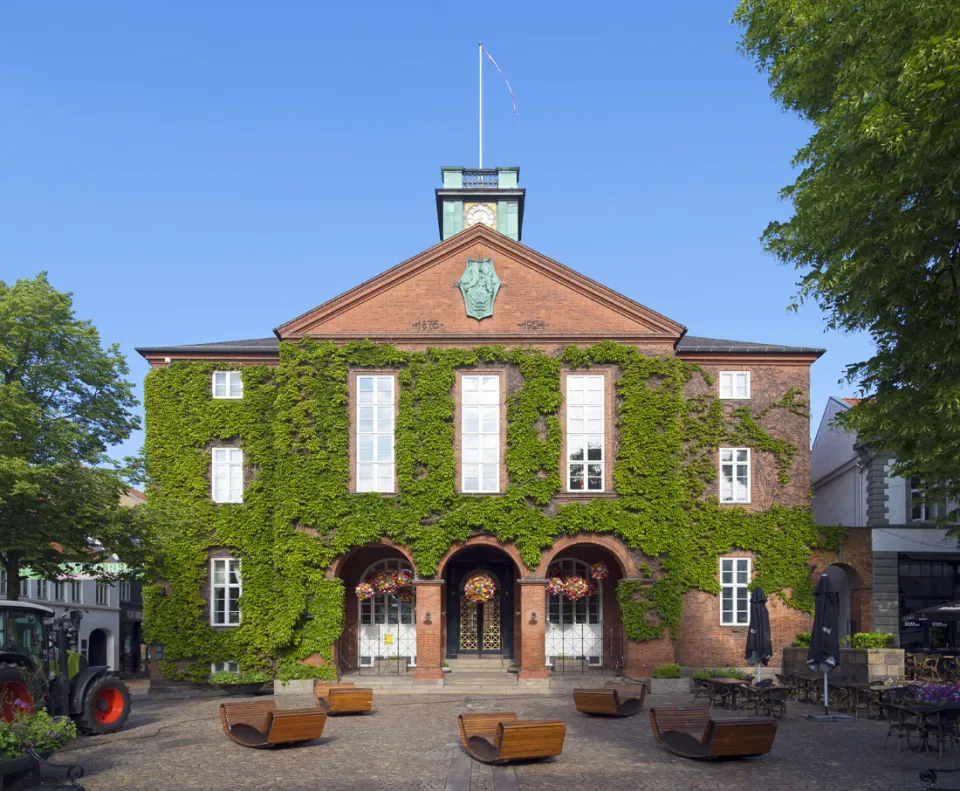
(485, 196)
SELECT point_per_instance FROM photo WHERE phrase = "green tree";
(876, 225)
(63, 401)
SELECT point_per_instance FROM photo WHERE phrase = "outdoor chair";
(930, 776)
(692, 733)
(501, 737)
(942, 725)
(903, 723)
(721, 694)
(949, 668)
(610, 702)
(338, 699)
(930, 669)
(264, 725)
(767, 701)
(910, 664)
(703, 688)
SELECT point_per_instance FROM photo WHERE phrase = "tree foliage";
(63, 401)
(876, 227)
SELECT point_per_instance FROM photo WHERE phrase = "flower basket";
(555, 586)
(479, 589)
(365, 591)
(599, 571)
(575, 588)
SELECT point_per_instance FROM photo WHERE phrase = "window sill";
(735, 502)
(567, 496)
(225, 625)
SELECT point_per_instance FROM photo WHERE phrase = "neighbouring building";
(898, 559)
(479, 452)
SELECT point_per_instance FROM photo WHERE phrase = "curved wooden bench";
(321, 689)
(691, 733)
(343, 698)
(262, 724)
(610, 702)
(501, 737)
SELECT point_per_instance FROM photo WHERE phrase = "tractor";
(38, 669)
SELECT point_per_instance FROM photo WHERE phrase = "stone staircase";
(478, 675)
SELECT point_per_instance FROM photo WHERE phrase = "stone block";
(297, 686)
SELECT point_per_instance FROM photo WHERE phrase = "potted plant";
(248, 683)
(446, 667)
(669, 680)
(29, 730)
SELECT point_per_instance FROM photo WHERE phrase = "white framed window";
(124, 591)
(24, 588)
(227, 384)
(43, 589)
(375, 412)
(585, 433)
(227, 475)
(480, 413)
(734, 475)
(103, 594)
(734, 384)
(734, 596)
(60, 591)
(75, 591)
(225, 590)
(224, 667)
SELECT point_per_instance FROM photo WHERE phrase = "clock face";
(480, 213)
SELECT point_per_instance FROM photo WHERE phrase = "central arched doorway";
(485, 629)
(574, 626)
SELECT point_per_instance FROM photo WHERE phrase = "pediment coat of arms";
(479, 286)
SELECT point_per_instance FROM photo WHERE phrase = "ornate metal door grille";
(468, 625)
(491, 625)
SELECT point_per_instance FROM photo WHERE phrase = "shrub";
(226, 677)
(719, 672)
(39, 732)
(802, 641)
(873, 640)
(668, 671)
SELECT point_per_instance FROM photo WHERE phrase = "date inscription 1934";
(427, 324)
(532, 324)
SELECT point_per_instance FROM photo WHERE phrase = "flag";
(514, 98)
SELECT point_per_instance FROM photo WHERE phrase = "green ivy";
(298, 516)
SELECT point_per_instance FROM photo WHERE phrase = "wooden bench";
(612, 701)
(262, 724)
(691, 733)
(343, 698)
(501, 737)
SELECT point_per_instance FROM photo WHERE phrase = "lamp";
(426, 619)
(533, 618)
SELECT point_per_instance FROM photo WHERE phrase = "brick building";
(480, 287)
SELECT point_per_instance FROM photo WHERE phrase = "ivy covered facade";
(478, 418)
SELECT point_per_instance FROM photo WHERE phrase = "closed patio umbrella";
(759, 649)
(824, 653)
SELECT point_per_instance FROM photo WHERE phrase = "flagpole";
(480, 69)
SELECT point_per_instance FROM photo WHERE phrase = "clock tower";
(487, 196)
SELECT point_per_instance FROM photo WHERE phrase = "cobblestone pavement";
(410, 744)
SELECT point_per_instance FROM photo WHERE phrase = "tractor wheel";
(19, 685)
(106, 706)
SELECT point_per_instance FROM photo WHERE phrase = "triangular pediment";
(419, 300)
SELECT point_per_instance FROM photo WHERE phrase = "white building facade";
(99, 602)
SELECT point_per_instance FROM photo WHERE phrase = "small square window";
(227, 384)
(735, 384)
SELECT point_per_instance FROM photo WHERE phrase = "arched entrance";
(387, 621)
(574, 626)
(480, 629)
(844, 581)
(97, 647)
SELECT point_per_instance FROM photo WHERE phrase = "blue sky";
(199, 171)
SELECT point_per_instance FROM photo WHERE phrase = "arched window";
(387, 622)
(574, 626)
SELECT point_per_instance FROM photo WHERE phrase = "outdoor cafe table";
(932, 715)
(733, 684)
